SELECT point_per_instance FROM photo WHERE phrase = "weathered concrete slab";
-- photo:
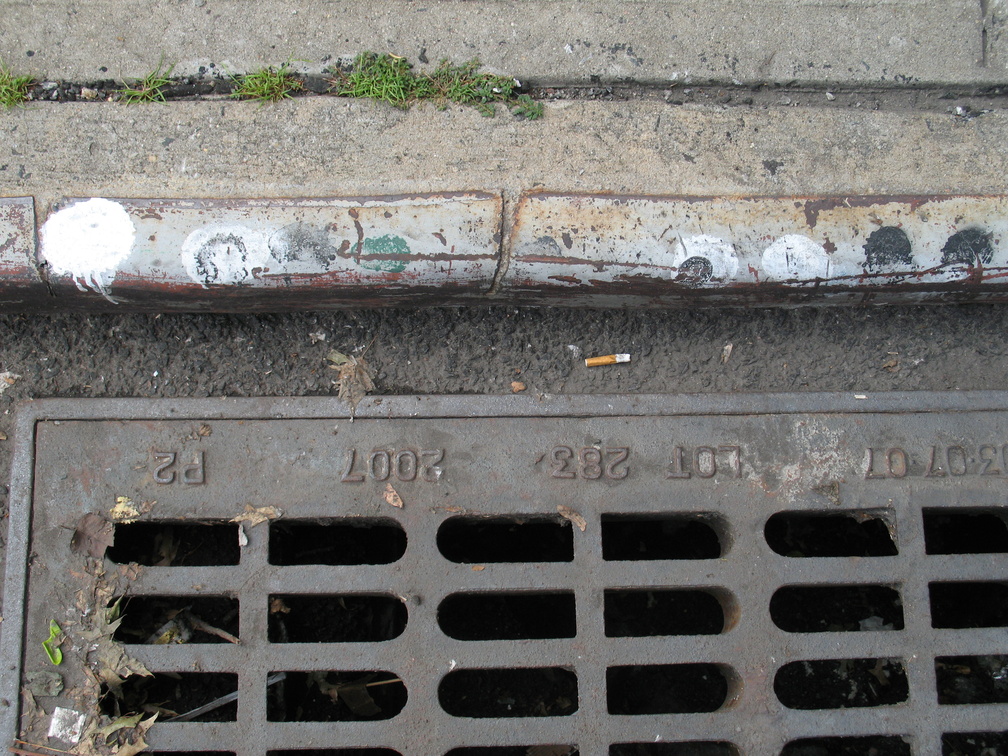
(660, 251)
(271, 254)
(20, 284)
(657, 41)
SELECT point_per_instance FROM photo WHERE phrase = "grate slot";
(974, 743)
(349, 541)
(474, 540)
(857, 745)
(667, 688)
(523, 750)
(177, 619)
(175, 693)
(335, 618)
(841, 683)
(644, 613)
(653, 537)
(335, 697)
(335, 752)
(507, 693)
(508, 616)
(694, 748)
(963, 605)
(831, 534)
(846, 608)
(969, 531)
(176, 544)
(972, 679)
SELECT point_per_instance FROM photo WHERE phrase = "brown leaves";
(573, 515)
(517, 386)
(93, 535)
(392, 496)
(354, 377)
(257, 515)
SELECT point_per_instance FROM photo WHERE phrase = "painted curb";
(447, 249)
(664, 252)
(271, 254)
(20, 283)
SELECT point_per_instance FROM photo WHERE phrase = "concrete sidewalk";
(885, 42)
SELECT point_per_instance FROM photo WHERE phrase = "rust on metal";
(601, 250)
(271, 254)
(20, 283)
(752, 570)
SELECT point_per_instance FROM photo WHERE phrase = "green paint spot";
(388, 246)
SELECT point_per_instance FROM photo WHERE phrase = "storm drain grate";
(796, 574)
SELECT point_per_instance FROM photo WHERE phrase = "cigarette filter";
(608, 359)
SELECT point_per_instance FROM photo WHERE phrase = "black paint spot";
(887, 247)
(971, 246)
(30, 53)
(695, 271)
(547, 246)
(216, 248)
(773, 166)
(302, 241)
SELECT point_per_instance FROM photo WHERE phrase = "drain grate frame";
(730, 462)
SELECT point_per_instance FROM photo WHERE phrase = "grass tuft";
(390, 78)
(270, 84)
(14, 89)
(148, 89)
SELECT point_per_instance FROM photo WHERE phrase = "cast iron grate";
(789, 574)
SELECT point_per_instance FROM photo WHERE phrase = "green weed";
(390, 78)
(270, 84)
(148, 89)
(14, 89)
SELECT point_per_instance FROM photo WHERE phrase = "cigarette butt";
(609, 359)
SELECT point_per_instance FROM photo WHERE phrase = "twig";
(383, 682)
(222, 701)
(198, 624)
(48, 748)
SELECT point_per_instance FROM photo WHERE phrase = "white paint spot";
(721, 256)
(795, 258)
(88, 241)
(66, 725)
(226, 253)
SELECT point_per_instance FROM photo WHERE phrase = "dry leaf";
(277, 606)
(93, 535)
(257, 515)
(124, 511)
(478, 567)
(726, 352)
(354, 377)
(7, 379)
(573, 515)
(892, 365)
(3, 436)
(392, 496)
(204, 430)
(517, 386)
(44, 683)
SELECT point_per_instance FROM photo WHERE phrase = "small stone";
(87, 93)
(49, 86)
(830, 96)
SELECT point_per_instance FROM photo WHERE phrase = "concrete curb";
(563, 249)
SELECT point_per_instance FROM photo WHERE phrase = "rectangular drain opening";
(661, 576)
